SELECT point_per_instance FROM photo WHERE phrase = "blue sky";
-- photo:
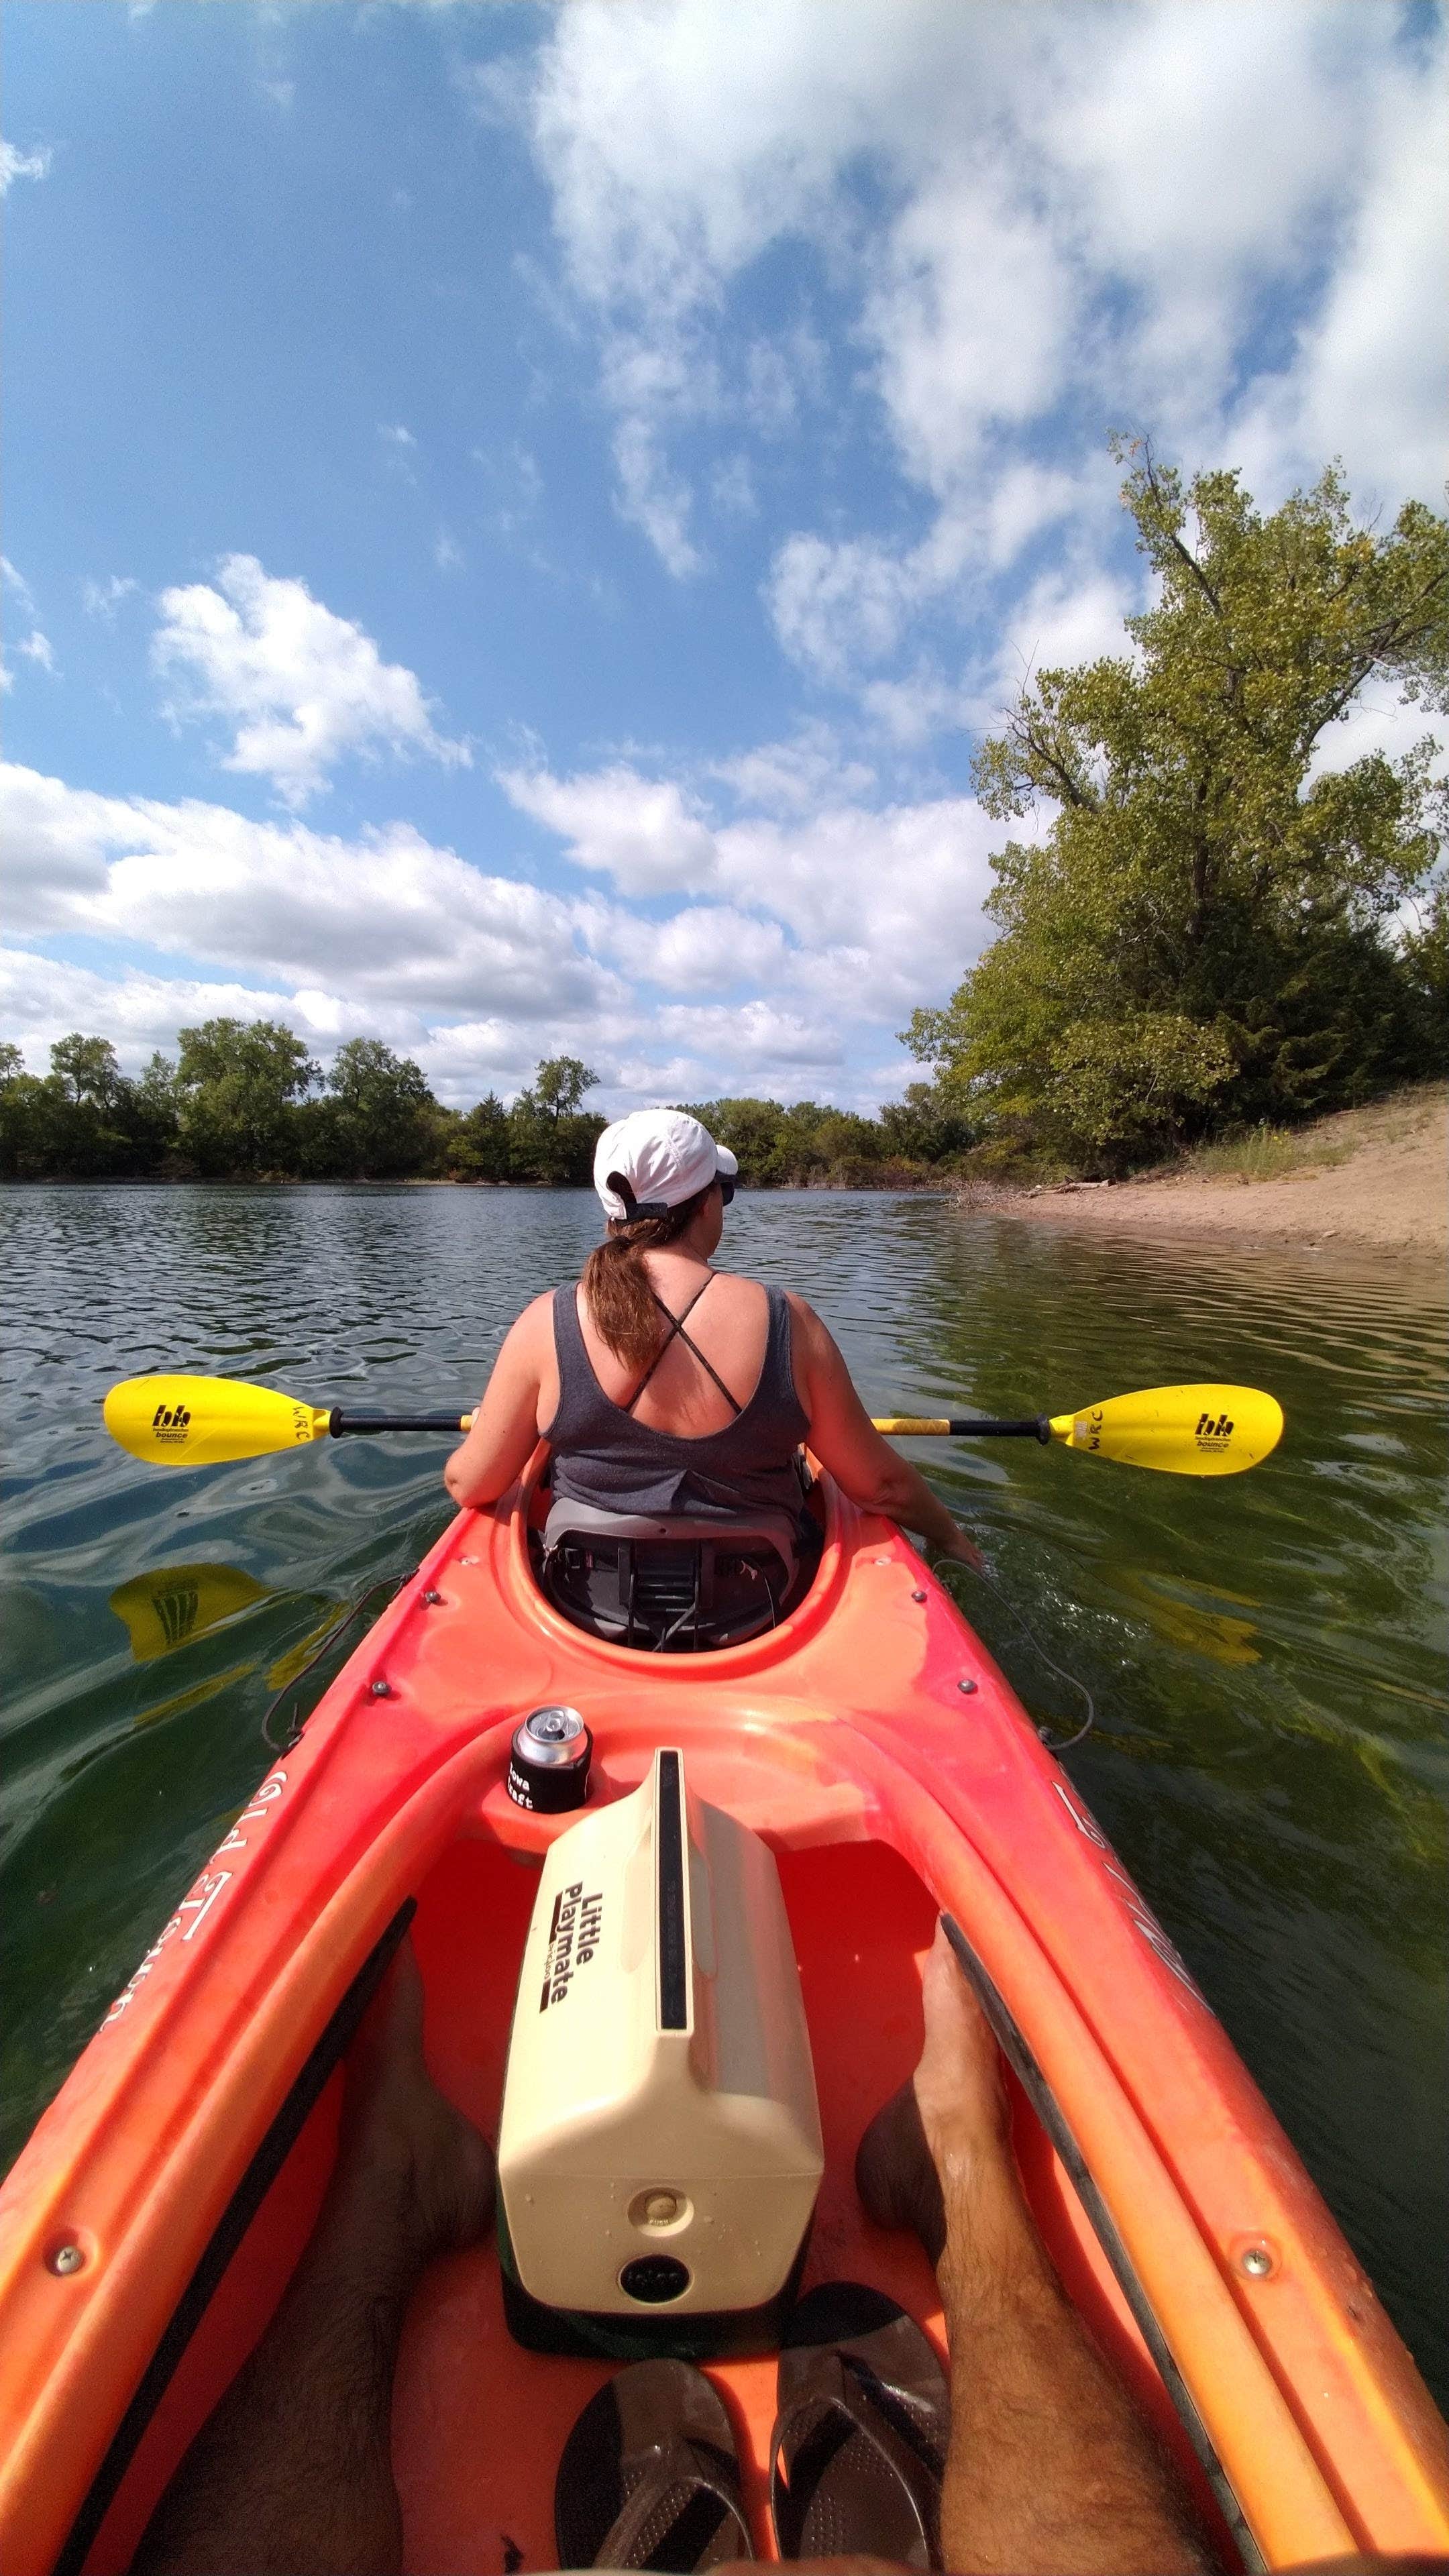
(517, 517)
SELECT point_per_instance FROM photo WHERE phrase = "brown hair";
(616, 1280)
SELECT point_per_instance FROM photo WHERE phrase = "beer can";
(548, 1766)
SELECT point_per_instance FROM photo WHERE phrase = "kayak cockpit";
(478, 2422)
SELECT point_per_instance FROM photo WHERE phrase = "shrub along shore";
(1212, 931)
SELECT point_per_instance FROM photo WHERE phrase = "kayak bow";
(149, 2227)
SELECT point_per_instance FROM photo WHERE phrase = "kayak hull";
(880, 1752)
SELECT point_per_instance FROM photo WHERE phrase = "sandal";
(859, 2444)
(649, 2476)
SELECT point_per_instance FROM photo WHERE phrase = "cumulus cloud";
(736, 950)
(302, 687)
(15, 165)
(865, 896)
(1033, 224)
(389, 918)
(641, 832)
(789, 777)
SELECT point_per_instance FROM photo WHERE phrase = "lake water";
(1267, 1653)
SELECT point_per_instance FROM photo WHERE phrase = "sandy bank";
(1368, 1176)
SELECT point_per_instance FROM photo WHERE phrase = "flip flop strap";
(854, 2403)
(674, 2463)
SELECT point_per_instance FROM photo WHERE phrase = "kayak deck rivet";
(381, 1690)
(1257, 2262)
(66, 2259)
(967, 1687)
(432, 1599)
(918, 1596)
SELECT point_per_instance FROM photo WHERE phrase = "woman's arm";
(846, 1441)
(505, 1426)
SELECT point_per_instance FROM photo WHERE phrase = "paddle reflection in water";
(1265, 1653)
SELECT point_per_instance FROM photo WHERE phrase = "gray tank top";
(606, 1456)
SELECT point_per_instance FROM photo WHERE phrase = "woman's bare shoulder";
(534, 1325)
(803, 1313)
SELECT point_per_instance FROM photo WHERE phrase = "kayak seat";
(674, 1585)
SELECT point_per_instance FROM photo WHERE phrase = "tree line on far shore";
(243, 1101)
(1210, 927)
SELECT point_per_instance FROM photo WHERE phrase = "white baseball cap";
(662, 1156)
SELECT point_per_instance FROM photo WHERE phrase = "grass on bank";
(1277, 1153)
(1264, 1153)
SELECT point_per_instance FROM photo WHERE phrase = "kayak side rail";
(326, 2054)
(1012, 2043)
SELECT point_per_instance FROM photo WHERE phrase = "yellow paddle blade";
(174, 1603)
(1185, 1430)
(199, 1421)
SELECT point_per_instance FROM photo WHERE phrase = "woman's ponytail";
(616, 1277)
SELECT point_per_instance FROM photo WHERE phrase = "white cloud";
(43, 998)
(389, 921)
(304, 688)
(641, 832)
(38, 648)
(868, 897)
(705, 948)
(1221, 224)
(732, 488)
(653, 498)
(815, 922)
(103, 598)
(14, 580)
(447, 553)
(792, 776)
(23, 165)
(1370, 376)
(393, 434)
(757, 1037)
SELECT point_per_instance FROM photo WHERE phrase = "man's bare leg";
(294, 2470)
(1050, 2466)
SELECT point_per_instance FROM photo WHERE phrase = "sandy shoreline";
(1390, 1191)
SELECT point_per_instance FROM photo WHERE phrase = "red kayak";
(150, 2225)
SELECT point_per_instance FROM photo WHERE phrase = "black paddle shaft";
(341, 1424)
(1037, 1428)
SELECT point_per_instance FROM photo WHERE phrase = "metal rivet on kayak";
(967, 1687)
(66, 2259)
(1257, 2262)
(432, 1598)
(381, 1690)
(918, 1596)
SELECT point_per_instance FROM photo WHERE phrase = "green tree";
(88, 1069)
(751, 1130)
(380, 1118)
(549, 1137)
(561, 1085)
(479, 1149)
(1205, 931)
(239, 1084)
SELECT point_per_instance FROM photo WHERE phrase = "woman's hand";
(963, 1551)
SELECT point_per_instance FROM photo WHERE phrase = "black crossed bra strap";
(676, 1325)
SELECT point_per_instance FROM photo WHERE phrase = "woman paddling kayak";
(675, 1398)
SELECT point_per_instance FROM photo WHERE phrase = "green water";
(1266, 1652)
